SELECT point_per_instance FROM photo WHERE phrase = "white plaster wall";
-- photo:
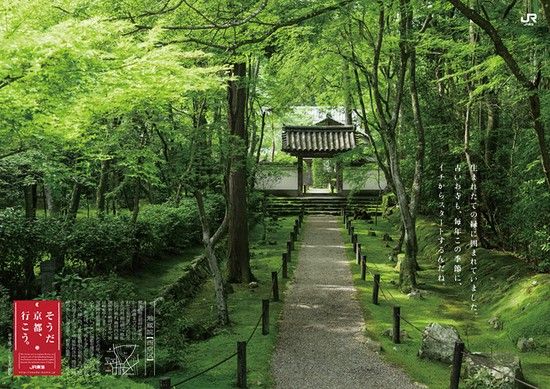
(360, 178)
(286, 178)
(277, 178)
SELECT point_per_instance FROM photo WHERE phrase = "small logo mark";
(529, 19)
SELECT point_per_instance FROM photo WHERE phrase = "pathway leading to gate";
(321, 341)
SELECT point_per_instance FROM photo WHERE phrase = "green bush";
(97, 246)
(19, 251)
(5, 312)
(164, 228)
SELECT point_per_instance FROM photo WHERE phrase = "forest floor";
(244, 311)
(321, 340)
(508, 290)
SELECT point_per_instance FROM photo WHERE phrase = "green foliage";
(321, 172)
(98, 246)
(87, 376)
(104, 288)
(483, 379)
(6, 317)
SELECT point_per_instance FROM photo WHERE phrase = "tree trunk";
(75, 202)
(209, 245)
(102, 187)
(30, 201)
(136, 198)
(407, 273)
(239, 256)
(30, 255)
(531, 86)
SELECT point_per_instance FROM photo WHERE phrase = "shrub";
(94, 246)
(19, 251)
(5, 312)
(98, 246)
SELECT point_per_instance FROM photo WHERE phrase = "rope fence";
(165, 382)
(459, 346)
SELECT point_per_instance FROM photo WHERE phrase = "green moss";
(245, 309)
(506, 290)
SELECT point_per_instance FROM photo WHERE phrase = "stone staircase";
(325, 205)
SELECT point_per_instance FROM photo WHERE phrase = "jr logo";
(529, 19)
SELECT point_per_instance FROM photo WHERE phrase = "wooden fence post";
(354, 238)
(291, 239)
(285, 266)
(241, 364)
(358, 252)
(275, 288)
(375, 288)
(396, 325)
(288, 251)
(352, 232)
(265, 316)
(364, 267)
(457, 364)
(296, 231)
(165, 383)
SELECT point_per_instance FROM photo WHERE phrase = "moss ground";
(507, 289)
(245, 309)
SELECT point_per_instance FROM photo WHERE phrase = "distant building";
(325, 139)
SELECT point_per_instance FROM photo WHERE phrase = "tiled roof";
(313, 140)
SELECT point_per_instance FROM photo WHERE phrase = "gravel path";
(321, 341)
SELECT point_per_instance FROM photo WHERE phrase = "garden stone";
(525, 344)
(373, 345)
(415, 294)
(421, 386)
(400, 259)
(496, 323)
(438, 342)
(253, 285)
(403, 334)
(501, 369)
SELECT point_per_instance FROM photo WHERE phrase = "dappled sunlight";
(348, 288)
(323, 245)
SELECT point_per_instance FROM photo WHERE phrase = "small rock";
(415, 294)
(253, 285)
(389, 333)
(534, 283)
(387, 238)
(421, 386)
(501, 368)
(525, 344)
(438, 342)
(373, 346)
(496, 323)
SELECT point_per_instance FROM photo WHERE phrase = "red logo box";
(37, 337)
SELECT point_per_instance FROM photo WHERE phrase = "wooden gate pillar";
(300, 176)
